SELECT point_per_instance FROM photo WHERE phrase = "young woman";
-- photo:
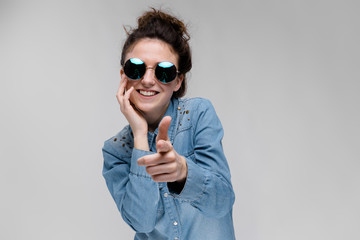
(166, 170)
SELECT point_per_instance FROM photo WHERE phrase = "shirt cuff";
(135, 168)
(195, 184)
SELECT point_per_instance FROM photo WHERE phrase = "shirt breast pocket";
(184, 143)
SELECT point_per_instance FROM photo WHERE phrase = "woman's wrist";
(141, 142)
(183, 171)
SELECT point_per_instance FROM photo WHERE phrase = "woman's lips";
(147, 93)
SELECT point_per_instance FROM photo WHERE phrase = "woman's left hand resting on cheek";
(166, 165)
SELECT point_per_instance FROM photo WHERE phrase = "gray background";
(284, 79)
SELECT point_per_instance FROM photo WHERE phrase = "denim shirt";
(203, 207)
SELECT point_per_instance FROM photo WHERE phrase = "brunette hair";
(163, 26)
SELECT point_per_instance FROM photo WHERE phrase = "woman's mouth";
(147, 93)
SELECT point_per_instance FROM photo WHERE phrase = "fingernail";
(140, 161)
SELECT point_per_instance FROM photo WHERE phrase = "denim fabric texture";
(203, 208)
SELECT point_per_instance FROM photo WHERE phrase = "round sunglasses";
(135, 69)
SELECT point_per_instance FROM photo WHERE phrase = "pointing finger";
(163, 129)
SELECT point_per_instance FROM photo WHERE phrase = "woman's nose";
(149, 77)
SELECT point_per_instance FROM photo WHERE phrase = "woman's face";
(150, 96)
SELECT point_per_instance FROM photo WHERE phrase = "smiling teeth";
(147, 93)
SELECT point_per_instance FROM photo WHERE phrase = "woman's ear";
(179, 80)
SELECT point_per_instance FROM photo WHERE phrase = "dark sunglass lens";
(134, 68)
(165, 72)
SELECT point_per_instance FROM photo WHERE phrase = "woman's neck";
(154, 120)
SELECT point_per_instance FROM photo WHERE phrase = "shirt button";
(166, 194)
(176, 238)
(175, 223)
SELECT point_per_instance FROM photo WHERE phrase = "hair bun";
(154, 18)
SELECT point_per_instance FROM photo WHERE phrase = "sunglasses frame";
(154, 68)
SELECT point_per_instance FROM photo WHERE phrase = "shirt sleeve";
(208, 186)
(135, 193)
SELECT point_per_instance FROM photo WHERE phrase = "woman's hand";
(137, 122)
(166, 165)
